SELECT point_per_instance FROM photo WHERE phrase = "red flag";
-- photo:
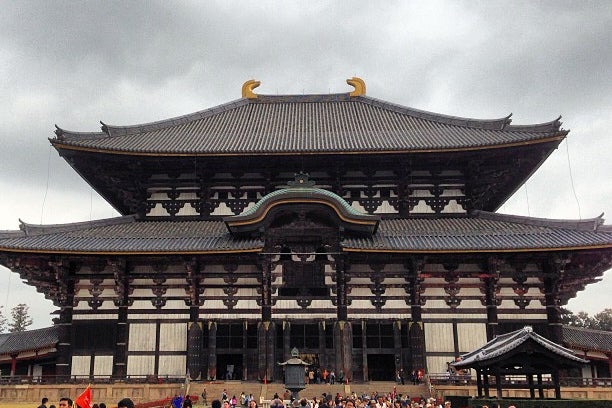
(84, 400)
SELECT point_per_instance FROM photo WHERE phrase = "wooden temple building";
(362, 232)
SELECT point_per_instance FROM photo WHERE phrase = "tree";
(601, 321)
(604, 320)
(21, 318)
(2, 320)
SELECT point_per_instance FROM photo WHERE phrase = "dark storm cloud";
(76, 63)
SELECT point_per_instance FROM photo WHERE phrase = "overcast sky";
(76, 63)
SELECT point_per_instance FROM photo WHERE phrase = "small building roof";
(587, 339)
(507, 345)
(29, 340)
(333, 123)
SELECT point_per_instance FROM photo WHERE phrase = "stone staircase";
(260, 391)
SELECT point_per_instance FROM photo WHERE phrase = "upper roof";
(505, 344)
(481, 231)
(30, 340)
(322, 124)
(587, 339)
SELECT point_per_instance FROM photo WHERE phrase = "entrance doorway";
(381, 367)
(229, 366)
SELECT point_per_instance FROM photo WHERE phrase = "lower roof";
(478, 232)
(30, 340)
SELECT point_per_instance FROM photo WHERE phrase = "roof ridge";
(490, 124)
(589, 224)
(114, 131)
(587, 329)
(552, 126)
(39, 229)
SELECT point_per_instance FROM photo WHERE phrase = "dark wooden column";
(553, 272)
(212, 350)
(397, 344)
(65, 300)
(479, 382)
(122, 301)
(490, 280)
(266, 333)
(343, 339)
(416, 332)
(341, 300)
(343, 335)
(194, 338)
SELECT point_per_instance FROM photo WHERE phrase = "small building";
(595, 346)
(362, 232)
(31, 353)
(519, 360)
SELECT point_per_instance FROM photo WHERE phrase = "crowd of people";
(374, 400)
(65, 402)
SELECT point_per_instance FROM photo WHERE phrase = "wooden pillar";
(498, 384)
(343, 335)
(397, 344)
(65, 301)
(343, 339)
(266, 339)
(555, 378)
(540, 387)
(479, 382)
(531, 386)
(554, 270)
(416, 330)
(321, 330)
(122, 301)
(364, 351)
(485, 379)
(286, 328)
(491, 301)
(341, 300)
(212, 350)
(13, 364)
(194, 338)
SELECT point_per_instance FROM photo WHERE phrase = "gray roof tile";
(307, 123)
(481, 231)
(28, 340)
(506, 343)
(587, 339)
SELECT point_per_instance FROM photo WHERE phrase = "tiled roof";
(126, 235)
(587, 339)
(508, 342)
(11, 343)
(333, 123)
(481, 231)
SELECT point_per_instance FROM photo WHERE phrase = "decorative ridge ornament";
(247, 89)
(358, 84)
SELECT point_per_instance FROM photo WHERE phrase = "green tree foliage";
(21, 318)
(601, 321)
(2, 320)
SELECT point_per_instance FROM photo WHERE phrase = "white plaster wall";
(142, 337)
(439, 337)
(173, 337)
(103, 366)
(175, 366)
(80, 365)
(140, 365)
(437, 364)
(471, 336)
